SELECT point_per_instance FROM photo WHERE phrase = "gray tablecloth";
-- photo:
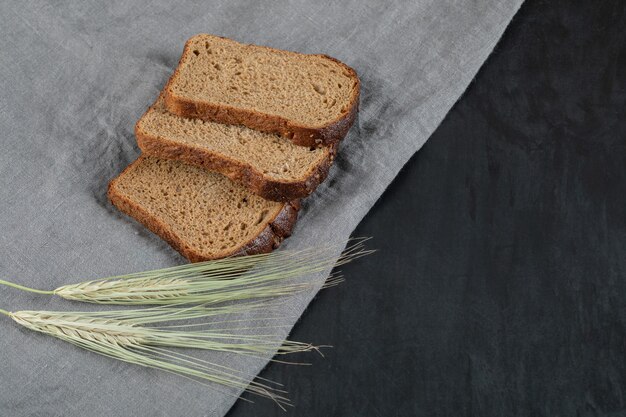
(74, 78)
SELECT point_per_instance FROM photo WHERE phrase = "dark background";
(500, 285)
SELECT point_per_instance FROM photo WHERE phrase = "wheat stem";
(23, 288)
(6, 313)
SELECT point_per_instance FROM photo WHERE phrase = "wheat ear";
(257, 276)
(134, 336)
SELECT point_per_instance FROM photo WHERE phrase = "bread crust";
(326, 135)
(241, 173)
(275, 232)
(277, 229)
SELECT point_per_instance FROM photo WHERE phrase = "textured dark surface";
(500, 285)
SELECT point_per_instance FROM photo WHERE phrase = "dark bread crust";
(275, 232)
(241, 173)
(326, 135)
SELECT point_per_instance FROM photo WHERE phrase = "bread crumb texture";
(268, 154)
(208, 212)
(312, 90)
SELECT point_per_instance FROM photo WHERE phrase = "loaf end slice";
(269, 165)
(310, 99)
(202, 214)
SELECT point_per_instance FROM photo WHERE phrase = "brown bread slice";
(310, 99)
(267, 164)
(202, 214)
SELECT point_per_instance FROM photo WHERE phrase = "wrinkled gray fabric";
(75, 76)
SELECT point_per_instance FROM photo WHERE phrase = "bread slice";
(310, 99)
(267, 164)
(202, 214)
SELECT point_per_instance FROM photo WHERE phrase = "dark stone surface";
(500, 285)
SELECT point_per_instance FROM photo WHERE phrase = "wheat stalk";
(188, 295)
(135, 336)
(212, 282)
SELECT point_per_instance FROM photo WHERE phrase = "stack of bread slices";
(237, 137)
